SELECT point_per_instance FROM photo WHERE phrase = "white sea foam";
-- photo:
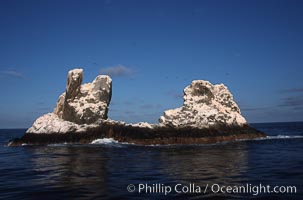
(284, 137)
(58, 144)
(112, 142)
(105, 141)
(275, 137)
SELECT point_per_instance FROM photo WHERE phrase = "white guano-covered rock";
(79, 107)
(51, 123)
(84, 104)
(205, 105)
(82, 107)
(143, 125)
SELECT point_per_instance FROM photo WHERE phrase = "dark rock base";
(143, 136)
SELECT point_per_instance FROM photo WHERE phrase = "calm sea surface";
(104, 170)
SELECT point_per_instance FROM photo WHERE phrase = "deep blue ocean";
(106, 169)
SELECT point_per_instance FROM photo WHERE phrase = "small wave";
(105, 141)
(10, 143)
(111, 141)
(58, 144)
(284, 137)
(273, 137)
(279, 137)
(115, 143)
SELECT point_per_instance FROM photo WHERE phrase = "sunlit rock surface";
(78, 105)
(51, 123)
(208, 115)
(205, 105)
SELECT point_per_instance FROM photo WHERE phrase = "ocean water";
(106, 168)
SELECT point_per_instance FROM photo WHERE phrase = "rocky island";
(208, 115)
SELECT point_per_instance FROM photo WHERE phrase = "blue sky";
(152, 49)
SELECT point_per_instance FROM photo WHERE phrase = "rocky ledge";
(208, 115)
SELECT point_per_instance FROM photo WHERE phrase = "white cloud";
(119, 70)
(12, 73)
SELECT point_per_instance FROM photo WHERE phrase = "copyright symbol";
(131, 188)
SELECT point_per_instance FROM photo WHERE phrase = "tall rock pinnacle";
(84, 104)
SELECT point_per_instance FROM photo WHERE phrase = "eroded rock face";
(84, 104)
(79, 105)
(73, 85)
(51, 123)
(205, 105)
(208, 115)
